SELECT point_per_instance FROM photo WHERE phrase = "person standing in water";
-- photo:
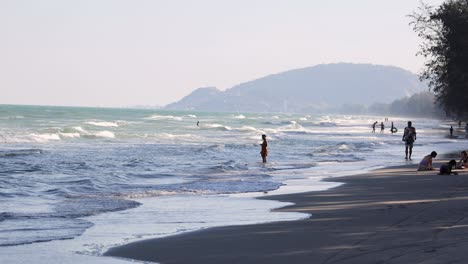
(264, 149)
(382, 127)
(451, 131)
(392, 128)
(373, 126)
(409, 136)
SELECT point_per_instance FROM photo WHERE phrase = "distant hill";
(313, 89)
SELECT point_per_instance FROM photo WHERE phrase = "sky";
(114, 53)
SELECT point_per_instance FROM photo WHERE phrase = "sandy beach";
(394, 215)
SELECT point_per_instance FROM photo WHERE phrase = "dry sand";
(394, 215)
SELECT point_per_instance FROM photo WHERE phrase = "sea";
(75, 181)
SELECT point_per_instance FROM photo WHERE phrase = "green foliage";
(418, 105)
(444, 31)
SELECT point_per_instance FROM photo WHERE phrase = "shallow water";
(63, 167)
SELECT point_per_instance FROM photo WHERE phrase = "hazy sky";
(153, 52)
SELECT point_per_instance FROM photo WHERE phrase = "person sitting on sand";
(446, 169)
(463, 163)
(426, 162)
(264, 149)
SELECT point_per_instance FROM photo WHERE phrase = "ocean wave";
(164, 117)
(20, 152)
(248, 129)
(176, 136)
(103, 124)
(228, 166)
(239, 117)
(216, 127)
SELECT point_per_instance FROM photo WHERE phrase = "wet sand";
(394, 215)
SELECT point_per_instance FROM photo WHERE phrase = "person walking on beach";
(382, 127)
(451, 131)
(409, 136)
(264, 149)
(373, 126)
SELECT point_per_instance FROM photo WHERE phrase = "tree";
(444, 31)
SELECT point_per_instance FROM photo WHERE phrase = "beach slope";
(393, 215)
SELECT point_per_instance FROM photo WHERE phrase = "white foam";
(249, 129)
(217, 126)
(80, 129)
(239, 117)
(164, 117)
(102, 124)
(343, 147)
(69, 135)
(192, 116)
(104, 134)
(44, 137)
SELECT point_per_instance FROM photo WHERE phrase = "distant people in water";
(393, 129)
(426, 162)
(446, 169)
(373, 126)
(198, 123)
(459, 123)
(264, 148)
(409, 136)
(382, 127)
(463, 163)
(451, 131)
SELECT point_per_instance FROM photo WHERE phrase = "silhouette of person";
(264, 149)
(373, 126)
(382, 127)
(426, 163)
(463, 163)
(459, 123)
(451, 131)
(392, 128)
(446, 169)
(198, 123)
(409, 136)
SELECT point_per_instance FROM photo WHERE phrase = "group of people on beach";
(409, 137)
(445, 169)
(393, 129)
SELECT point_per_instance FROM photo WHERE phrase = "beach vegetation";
(444, 31)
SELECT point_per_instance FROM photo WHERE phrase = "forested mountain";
(321, 88)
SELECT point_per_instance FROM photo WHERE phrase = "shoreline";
(391, 215)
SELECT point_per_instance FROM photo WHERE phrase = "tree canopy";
(444, 30)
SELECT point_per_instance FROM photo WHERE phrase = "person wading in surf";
(264, 149)
(409, 136)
